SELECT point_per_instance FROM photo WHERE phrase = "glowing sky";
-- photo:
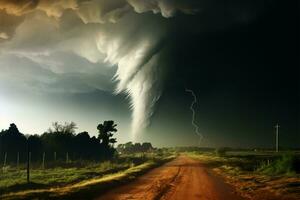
(66, 60)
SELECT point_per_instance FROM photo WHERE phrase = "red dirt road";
(180, 179)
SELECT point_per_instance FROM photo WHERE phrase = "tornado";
(132, 35)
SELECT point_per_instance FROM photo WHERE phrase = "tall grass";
(286, 164)
(96, 179)
(59, 175)
(43, 181)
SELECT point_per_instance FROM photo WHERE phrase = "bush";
(221, 151)
(284, 165)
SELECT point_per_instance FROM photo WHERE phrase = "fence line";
(18, 160)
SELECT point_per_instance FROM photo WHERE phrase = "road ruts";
(180, 179)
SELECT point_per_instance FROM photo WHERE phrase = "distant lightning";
(194, 114)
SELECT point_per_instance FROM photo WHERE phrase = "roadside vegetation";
(59, 143)
(255, 174)
(287, 164)
(63, 164)
(78, 182)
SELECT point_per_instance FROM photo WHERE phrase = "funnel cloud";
(133, 37)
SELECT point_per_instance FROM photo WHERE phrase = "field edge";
(88, 189)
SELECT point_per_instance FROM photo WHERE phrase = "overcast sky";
(130, 61)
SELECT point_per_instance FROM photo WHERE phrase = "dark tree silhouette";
(60, 140)
(129, 147)
(13, 129)
(12, 142)
(66, 128)
(106, 131)
(147, 146)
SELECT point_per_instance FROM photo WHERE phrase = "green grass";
(76, 181)
(58, 175)
(268, 164)
(284, 165)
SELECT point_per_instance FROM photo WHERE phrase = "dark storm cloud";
(246, 78)
(18, 7)
(122, 33)
(25, 74)
(8, 24)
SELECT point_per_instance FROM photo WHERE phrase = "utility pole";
(277, 137)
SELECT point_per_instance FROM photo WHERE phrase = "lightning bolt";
(194, 115)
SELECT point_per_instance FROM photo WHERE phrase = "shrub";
(284, 165)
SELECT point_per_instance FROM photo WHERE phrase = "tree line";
(57, 143)
(130, 147)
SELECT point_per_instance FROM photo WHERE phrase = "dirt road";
(181, 179)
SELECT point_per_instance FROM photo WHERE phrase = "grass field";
(251, 173)
(11, 178)
(257, 173)
(77, 178)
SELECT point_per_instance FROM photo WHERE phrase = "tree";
(147, 146)
(36, 146)
(66, 128)
(137, 147)
(12, 142)
(59, 141)
(13, 129)
(129, 147)
(106, 131)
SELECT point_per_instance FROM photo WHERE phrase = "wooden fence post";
(43, 165)
(67, 157)
(5, 157)
(28, 163)
(18, 160)
(55, 156)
